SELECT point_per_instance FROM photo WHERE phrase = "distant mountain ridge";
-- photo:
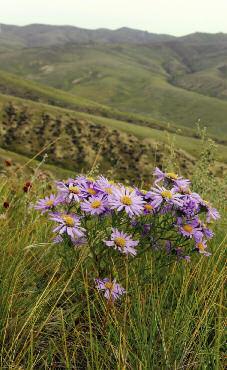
(40, 35)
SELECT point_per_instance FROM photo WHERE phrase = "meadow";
(112, 272)
(52, 316)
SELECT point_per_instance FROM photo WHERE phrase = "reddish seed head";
(28, 184)
(8, 162)
(6, 205)
(25, 188)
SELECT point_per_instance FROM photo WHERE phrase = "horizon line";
(111, 29)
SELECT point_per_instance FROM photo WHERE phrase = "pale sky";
(176, 17)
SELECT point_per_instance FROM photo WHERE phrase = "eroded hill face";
(81, 145)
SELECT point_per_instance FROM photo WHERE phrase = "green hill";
(179, 81)
(141, 90)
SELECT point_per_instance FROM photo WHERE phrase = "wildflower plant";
(116, 224)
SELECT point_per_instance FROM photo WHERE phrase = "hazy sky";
(176, 17)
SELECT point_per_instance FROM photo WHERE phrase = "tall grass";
(172, 316)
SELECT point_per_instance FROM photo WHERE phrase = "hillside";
(80, 141)
(173, 80)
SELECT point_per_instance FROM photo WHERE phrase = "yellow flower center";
(49, 203)
(188, 228)
(201, 246)
(74, 189)
(167, 194)
(121, 242)
(109, 285)
(172, 175)
(148, 207)
(96, 204)
(108, 190)
(91, 191)
(68, 220)
(127, 201)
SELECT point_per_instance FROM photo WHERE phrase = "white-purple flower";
(201, 248)
(68, 224)
(48, 203)
(190, 229)
(104, 185)
(212, 213)
(122, 242)
(95, 205)
(111, 289)
(127, 200)
(161, 195)
(71, 190)
(170, 177)
(89, 188)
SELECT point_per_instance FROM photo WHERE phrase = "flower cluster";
(124, 222)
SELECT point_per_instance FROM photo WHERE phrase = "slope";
(138, 79)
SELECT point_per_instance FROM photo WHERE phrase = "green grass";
(172, 318)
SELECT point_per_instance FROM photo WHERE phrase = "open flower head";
(124, 199)
(89, 188)
(68, 224)
(170, 178)
(190, 229)
(201, 247)
(111, 289)
(105, 185)
(160, 196)
(48, 203)
(95, 205)
(70, 190)
(122, 242)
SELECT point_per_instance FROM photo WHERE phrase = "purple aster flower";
(69, 224)
(201, 248)
(208, 233)
(191, 204)
(190, 229)
(170, 177)
(212, 213)
(48, 203)
(95, 205)
(104, 185)
(182, 183)
(70, 190)
(89, 188)
(112, 290)
(161, 195)
(122, 242)
(126, 199)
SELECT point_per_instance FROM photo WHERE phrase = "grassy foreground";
(172, 318)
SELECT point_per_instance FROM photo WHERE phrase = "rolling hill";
(167, 79)
(73, 88)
